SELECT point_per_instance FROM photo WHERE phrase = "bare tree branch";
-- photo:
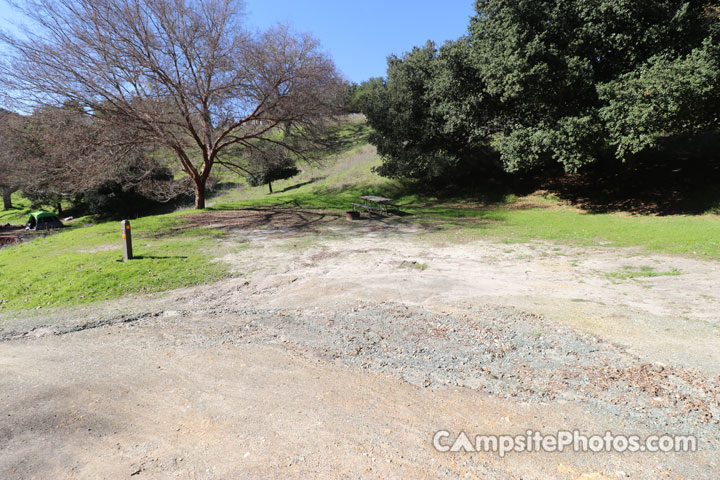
(185, 74)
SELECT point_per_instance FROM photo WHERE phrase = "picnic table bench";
(374, 205)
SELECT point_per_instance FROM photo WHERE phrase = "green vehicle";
(43, 221)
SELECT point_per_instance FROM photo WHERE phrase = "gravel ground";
(498, 350)
(351, 389)
(502, 352)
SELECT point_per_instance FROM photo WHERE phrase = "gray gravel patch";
(502, 351)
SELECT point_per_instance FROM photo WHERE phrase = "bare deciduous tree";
(62, 154)
(185, 74)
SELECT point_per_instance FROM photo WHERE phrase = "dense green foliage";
(546, 82)
(425, 115)
(359, 94)
(669, 96)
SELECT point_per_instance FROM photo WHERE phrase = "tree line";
(547, 84)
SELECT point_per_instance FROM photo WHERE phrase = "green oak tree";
(425, 116)
(548, 82)
(554, 65)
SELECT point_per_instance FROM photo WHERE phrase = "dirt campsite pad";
(339, 349)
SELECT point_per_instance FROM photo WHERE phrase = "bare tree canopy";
(185, 74)
(60, 153)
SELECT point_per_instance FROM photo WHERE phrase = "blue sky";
(360, 35)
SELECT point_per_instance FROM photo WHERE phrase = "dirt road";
(339, 350)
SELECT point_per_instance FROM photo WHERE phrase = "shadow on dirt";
(277, 217)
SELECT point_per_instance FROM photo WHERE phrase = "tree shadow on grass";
(301, 184)
(155, 257)
(349, 136)
(12, 213)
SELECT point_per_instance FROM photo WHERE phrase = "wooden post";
(127, 240)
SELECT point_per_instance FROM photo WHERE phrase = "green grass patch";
(414, 265)
(83, 265)
(18, 214)
(629, 272)
(694, 235)
(687, 235)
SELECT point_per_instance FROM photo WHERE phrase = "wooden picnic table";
(374, 204)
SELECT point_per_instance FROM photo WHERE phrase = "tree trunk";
(59, 209)
(270, 186)
(7, 198)
(199, 194)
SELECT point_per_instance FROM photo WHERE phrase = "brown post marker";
(127, 240)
